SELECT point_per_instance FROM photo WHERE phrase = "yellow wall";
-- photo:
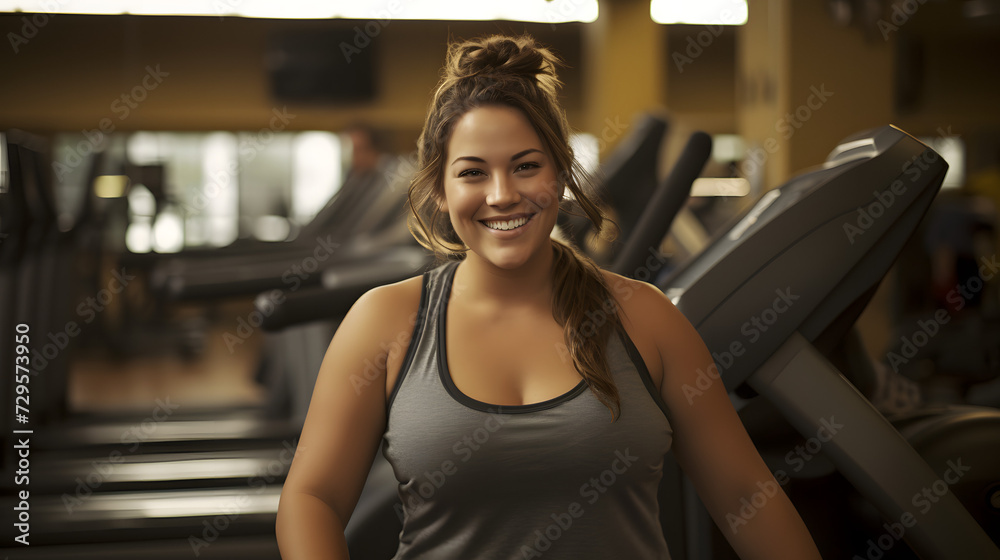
(67, 75)
(853, 72)
(618, 83)
(71, 72)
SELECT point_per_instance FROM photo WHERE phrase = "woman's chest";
(542, 454)
(508, 359)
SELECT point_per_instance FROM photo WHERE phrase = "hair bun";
(499, 55)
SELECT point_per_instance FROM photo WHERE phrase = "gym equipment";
(796, 270)
(627, 181)
(95, 480)
(660, 209)
(362, 219)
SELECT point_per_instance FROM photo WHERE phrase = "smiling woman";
(531, 410)
(500, 203)
(495, 146)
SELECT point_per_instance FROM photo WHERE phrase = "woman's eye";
(471, 173)
(527, 165)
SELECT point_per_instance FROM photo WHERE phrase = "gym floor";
(215, 377)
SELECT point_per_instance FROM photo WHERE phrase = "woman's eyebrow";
(524, 153)
(469, 158)
(512, 158)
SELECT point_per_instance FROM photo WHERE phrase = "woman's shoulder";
(392, 301)
(651, 311)
(637, 299)
(382, 312)
(649, 316)
(394, 306)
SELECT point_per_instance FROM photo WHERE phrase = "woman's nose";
(502, 193)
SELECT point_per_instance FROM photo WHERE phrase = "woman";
(526, 397)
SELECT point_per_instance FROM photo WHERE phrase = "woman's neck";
(479, 281)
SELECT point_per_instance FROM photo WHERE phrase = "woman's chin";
(510, 259)
(506, 262)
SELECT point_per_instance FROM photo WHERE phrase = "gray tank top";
(555, 479)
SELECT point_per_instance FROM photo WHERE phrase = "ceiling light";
(706, 12)
(545, 11)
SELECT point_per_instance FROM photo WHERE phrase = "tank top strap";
(420, 355)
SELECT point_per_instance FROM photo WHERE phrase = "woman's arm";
(342, 430)
(711, 444)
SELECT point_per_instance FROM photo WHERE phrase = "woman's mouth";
(506, 225)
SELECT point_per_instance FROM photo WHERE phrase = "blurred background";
(193, 192)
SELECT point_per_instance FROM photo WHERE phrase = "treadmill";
(362, 219)
(777, 291)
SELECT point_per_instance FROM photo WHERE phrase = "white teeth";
(508, 224)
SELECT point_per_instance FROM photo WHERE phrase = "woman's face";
(500, 187)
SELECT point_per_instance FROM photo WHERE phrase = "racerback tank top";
(555, 479)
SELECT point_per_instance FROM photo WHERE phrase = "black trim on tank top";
(411, 350)
(640, 366)
(445, 374)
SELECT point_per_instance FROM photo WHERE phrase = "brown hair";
(519, 73)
